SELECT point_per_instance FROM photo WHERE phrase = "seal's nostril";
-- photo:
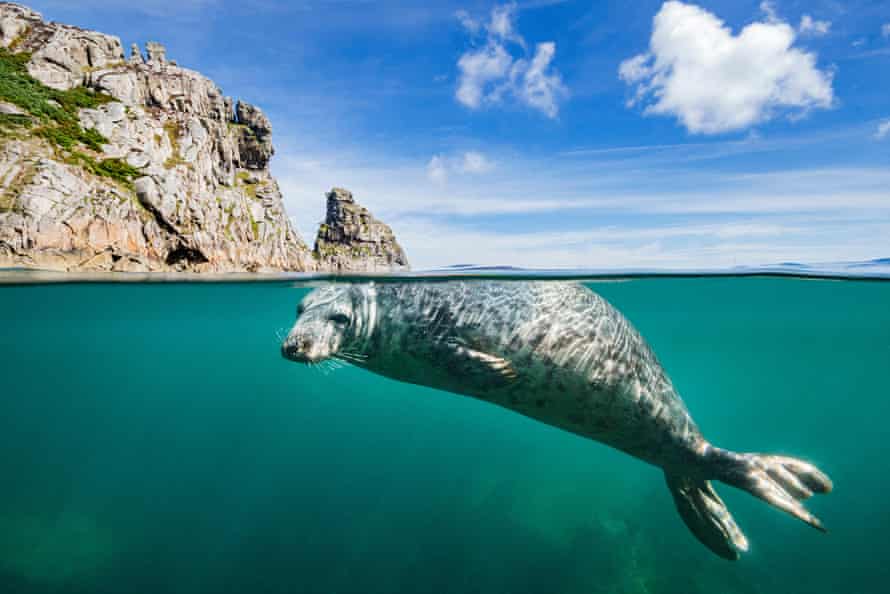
(288, 350)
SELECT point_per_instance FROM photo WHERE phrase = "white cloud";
(634, 69)
(479, 72)
(436, 170)
(501, 24)
(885, 30)
(883, 129)
(541, 88)
(468, 22)
(810, 26)
(769, 10)
(718, 245)
(440, 167)
(474, 162)
(611, 208)
(714, 81)
(490, 73)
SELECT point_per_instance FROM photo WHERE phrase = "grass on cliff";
(11, 123)
(56, 110)
(116, 169)
(56, 113)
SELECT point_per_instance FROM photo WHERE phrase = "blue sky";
(561, 133)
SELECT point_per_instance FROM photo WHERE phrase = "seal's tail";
(781, 481)
(706, 516)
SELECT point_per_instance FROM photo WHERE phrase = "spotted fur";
(556, 352)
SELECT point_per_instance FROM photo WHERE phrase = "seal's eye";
(341, 319)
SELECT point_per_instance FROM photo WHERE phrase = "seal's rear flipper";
(781, 481)
(706, 516)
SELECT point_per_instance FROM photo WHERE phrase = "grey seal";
(559, 353)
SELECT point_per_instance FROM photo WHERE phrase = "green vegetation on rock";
(56, 113)
(55, 110)
(115, 169)
(13, 125)
(68, 135)
(14, 120)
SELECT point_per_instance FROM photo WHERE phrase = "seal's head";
(326, 322)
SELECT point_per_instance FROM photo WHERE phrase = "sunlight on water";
(154, 440)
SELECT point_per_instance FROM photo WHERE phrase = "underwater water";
(153, 439)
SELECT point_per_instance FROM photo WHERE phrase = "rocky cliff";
(135, 163)
(351, 239)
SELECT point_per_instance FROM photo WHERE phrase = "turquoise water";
(152, 439)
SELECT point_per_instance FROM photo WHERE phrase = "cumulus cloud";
(883, 129)
(439, 167)
(501, 67)
(483, 75)
(714, 81)
(810, 26)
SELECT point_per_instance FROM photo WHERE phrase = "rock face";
(179, 181)
(351, 239)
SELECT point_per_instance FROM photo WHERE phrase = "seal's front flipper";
(706, 516)
(474, 364)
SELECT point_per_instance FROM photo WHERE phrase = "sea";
(154, 440)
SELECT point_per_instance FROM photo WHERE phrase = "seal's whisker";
(350, 358)
(353, 356)
(355, 353)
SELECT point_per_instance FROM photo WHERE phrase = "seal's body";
(556, 352)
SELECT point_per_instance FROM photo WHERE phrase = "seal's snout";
(296, 349)
(290, 351)
(303, 349)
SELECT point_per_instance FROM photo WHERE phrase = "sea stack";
(351, 239)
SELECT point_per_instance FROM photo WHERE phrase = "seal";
(559, 353)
